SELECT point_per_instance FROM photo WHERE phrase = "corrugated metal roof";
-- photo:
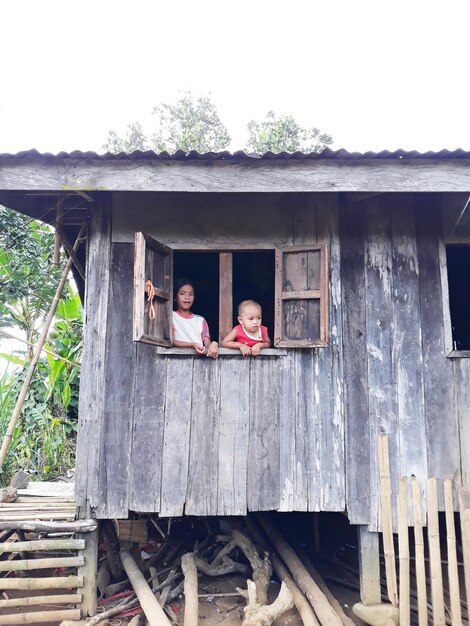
(240, 155)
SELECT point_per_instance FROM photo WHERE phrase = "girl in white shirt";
(190, 330)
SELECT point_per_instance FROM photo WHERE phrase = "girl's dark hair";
(179, 282)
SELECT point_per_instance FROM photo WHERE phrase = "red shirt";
(242, 337)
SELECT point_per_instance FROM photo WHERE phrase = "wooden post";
(403, 551)
(37, 353)
(419, 554)
(88, 571)
(387, 524)
(452, 568)
(226, 294)
(437, 589)
(191, 605)
(57, 238)
(369, 566)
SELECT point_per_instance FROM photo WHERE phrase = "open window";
(153, 291)
(301, 297)
(458, 278)
(289, 283)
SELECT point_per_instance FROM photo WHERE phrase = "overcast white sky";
(376, 75)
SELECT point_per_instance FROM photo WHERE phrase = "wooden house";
(361, 263)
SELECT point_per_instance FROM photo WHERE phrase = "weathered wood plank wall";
(178, 434)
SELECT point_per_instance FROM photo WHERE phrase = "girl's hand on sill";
(213, 350)
(199, 349)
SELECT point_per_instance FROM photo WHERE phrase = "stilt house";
(361, 263)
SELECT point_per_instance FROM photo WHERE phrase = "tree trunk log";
(318, 600)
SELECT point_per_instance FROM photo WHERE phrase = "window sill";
(272, 352)
(459, 354)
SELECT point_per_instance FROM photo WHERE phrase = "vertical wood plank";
(356, 410)
(176, 436)
(118, 385)
(435, 566)
(308, 430)
(263, 448)
(293, 480)
(147, 439)
(225, 294)
(407, 348)
(404, 552)
(452, 568)
(419, 554)
(441, 416)
(379, 319)
(331, 375)
(201, 497)
(233, 436)
(88, 491)
(461, 372)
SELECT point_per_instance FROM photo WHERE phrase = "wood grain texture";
(88, 490)
(118, 414)
(330, 362)
(231, 176)
(379, 319)
(353, 293)
(407, 347)
(263, 451)
(440, 410)
(461, 374)
(233, 436)
(147, 436)
(201, 495)
(175, 458)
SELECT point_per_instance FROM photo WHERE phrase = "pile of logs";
(173, 566)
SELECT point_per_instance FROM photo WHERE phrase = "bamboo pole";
(386, 513)
(33, 564)
(82, 526)
(42, 544)
(153, 611)
(41, 616)
(452, 569)
(437, 587)
(29, 343)
(419, 554)
(403, 551)
(37, 353)
(56, 582)
(465, 530)
(66, 598)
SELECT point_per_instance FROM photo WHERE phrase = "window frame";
(165, 296)
(226, 292)
(448, 335)
(320, 294)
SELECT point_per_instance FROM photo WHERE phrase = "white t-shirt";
(189, 329)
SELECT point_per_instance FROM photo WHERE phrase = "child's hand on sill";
(245, 350)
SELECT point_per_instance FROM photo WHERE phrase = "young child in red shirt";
(249, 336)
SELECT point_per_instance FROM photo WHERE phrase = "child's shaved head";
(246, 303)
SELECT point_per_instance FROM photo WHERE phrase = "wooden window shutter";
(153, 261)
(301, 298)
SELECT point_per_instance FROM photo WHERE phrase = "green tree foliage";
(189, 124)
(284, 134)
(27, 279)
(44, 438)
